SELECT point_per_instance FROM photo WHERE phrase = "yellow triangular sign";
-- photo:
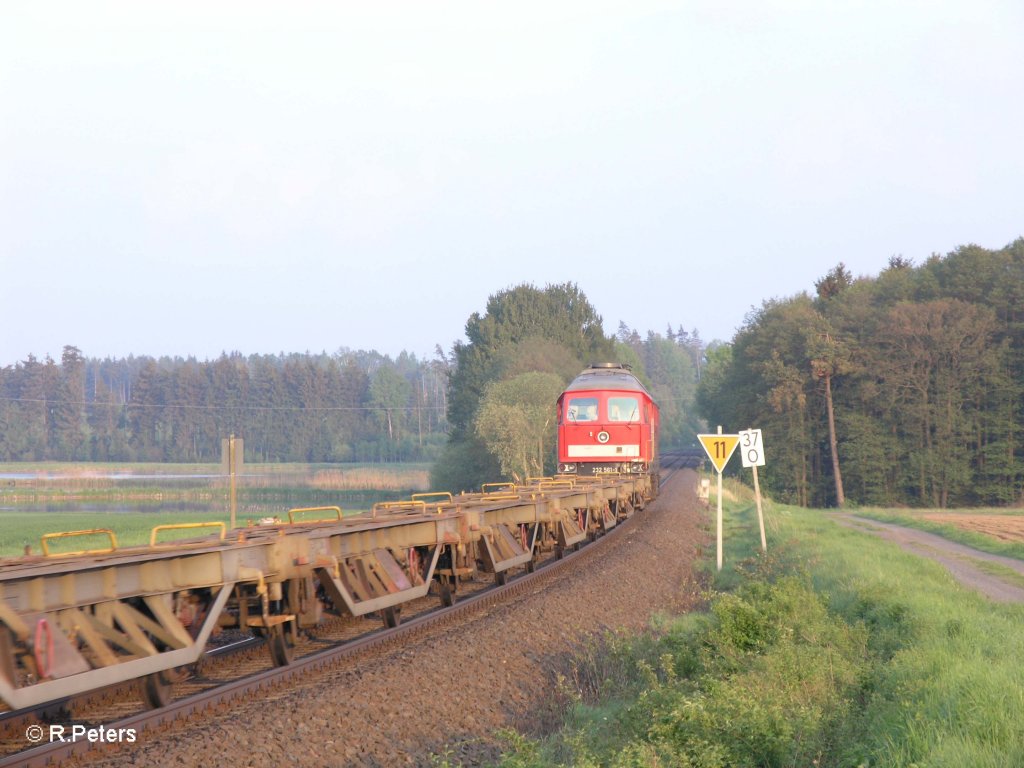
(719, 448)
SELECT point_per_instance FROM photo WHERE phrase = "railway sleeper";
(77, 623)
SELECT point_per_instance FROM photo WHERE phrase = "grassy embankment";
(61, 497)
(837, 649)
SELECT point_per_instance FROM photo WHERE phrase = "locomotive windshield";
(623, 409)
(582, 409)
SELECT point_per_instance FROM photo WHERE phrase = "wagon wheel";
(281, 642)
(156, 690)
(391, 617)
(55, 712)
(446, 593)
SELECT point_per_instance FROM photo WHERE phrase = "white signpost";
(719, 449)
(752, 454)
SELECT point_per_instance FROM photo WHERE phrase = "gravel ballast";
(449, 690)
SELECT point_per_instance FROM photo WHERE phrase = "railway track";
(241, 669)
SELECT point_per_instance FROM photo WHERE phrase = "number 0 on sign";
(719, 448)
(751, 448)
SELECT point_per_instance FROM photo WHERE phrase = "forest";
(519, 355)
(905, 389)
(351, 406)
(345, 407)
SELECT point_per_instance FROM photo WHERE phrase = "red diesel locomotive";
(607, 423)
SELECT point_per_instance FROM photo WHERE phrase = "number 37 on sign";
(751, 448)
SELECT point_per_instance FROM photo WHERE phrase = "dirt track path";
(958, 558)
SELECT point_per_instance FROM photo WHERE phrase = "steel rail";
(327, 659)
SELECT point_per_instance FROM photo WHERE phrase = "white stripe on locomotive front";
(593, 451)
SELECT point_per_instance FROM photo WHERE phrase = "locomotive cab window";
(623, 409)
(581, 409)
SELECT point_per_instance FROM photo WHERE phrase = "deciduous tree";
(516, 421)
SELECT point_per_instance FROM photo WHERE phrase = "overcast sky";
(187, 178)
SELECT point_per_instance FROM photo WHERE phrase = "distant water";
(108, 476)
(121, 508)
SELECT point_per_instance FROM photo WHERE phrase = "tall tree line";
(901, 389)
(669, 366)
(520, 354)
(350, 406)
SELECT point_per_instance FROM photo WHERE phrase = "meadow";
(130, 499)
(835, 649)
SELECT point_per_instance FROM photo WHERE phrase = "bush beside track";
(834, 650)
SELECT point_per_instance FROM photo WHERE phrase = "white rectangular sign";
(603, 451)
(751, 448)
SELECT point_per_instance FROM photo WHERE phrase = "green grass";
(18, 529)
(836, 649)
(131, 528)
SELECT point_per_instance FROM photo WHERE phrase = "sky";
(192, 178)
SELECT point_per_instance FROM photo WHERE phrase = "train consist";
(75, 622)
(607, 424)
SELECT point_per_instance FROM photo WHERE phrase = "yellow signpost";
(719, 449)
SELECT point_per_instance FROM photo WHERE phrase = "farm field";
(998, 531)
(130, 499)
(1002, 527)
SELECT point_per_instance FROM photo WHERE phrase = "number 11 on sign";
(719, 449)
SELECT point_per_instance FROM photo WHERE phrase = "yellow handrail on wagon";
(336, 510)
(65, 534)
(552, 485)
(185, 526)
(432, 495)
(536, 479)
(385, 506)
(485, 486)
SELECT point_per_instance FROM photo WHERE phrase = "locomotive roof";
(607, 376)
